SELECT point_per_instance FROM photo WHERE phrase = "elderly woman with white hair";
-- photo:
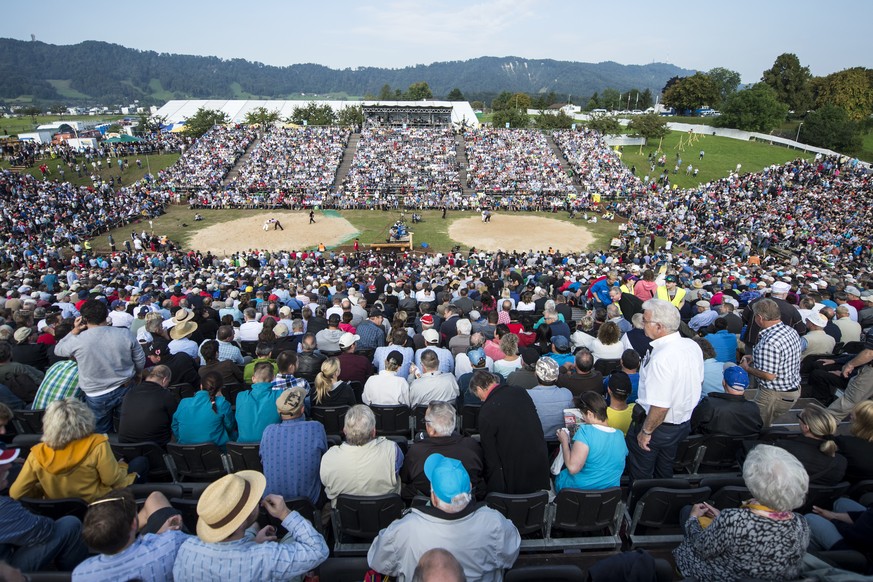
(763, 539)
(364, 464)
(71, 460)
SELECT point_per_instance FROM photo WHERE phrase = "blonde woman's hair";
(509, 344)
(822, 425)
(330, 369)
(66, 421)
(862, 420)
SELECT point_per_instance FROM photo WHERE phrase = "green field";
(128, 177)
(721, 156)
(24, 123)
(373, 226)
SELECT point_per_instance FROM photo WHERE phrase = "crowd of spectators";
(506, 161)
(412, 161)
(206, 163)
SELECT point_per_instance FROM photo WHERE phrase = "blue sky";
(742, 35)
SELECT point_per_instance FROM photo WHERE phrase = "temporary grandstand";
(461, 114)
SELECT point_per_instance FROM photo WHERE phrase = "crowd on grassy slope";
(207, 162)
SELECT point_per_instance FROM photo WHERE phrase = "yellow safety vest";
(677, 299)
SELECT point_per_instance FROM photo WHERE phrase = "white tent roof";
(179, 110)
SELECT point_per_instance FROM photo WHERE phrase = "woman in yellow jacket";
(72, 461)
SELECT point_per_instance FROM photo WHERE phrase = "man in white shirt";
(671, 377)
(251, 329)
(429, 384)
(118, 316)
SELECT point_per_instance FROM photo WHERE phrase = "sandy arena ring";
(242, 234)
(511, 232)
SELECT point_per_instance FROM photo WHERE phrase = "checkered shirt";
(778, 352)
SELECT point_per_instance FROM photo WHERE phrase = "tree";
(831, 127)
(32, 111)
(203, 120)
(593, 102)
(559, 120)
(502, 101)
(850, 90)
(649, 125)
(791, 82)
(646, 99)
(418, 92)
(610, 98)
(455, 95)
(521, 101)
(385, 93)
(516, 118)
(58, 109)
(691, 93)
(350, 115)
(477, 105)
(605, 124)
(261, 117)
(313, 114)
(670, 82)
(147, 124)
(754, 109)
(726, 81)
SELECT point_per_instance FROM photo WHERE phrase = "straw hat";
(183, 329)
(183, 315)
(227, 503)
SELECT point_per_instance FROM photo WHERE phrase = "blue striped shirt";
(301, 550)
(149, 558)
(291, 455)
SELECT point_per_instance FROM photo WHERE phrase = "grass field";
(16, 125)
(373, 226)
(129, 176)
(721, 156)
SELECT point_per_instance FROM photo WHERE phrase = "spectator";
(858, 447)
(291, 450)
(441, 437)
(582, 377)
(71, 460)
(511, 436)
(330, 390)
(262, 355)
(309, 359)
(816, 448)
(430, 384)
(32, 542)
(387, 388)
(364, 464)
(148, 409)
(728, 412)
(596, 458)
(353, 367)
(108, 360)
(255, 408)
(206, 417)
(550, 400)
(398, 548)
(525, 376)
(619, 413)
(131, 544)
(228, 512)
(231, 375)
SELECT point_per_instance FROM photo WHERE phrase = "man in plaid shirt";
(287, 364)
(775, 362)
(61, 381)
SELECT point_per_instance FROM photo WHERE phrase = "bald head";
(438, 565)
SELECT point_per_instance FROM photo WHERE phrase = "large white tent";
(177, 111)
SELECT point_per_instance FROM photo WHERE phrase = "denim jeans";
(106, 407)
(658, 460)
(65, 547)
(823, 534)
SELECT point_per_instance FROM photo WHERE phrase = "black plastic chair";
(526, 511)
(545, 573)
(595, 513)
(332, 417)
(28, 421)
(654, 506)
(348, 569)
(823, 496)
(56, 508)
(359, 519)
(607, 366)
(392, 420)
(301, 505)
(188, 509)
(689, 454)
(401, 441)
(860, 489)
(470, 419)
(248, 348)
(358, 389)
(244, 457)
(419, 412)
(202, 462)
(141, 491)
(721, 452)
(728, 491)
(158, 470)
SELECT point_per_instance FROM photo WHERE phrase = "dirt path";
(247, 233)
(520, 233)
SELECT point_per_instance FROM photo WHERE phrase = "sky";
(742, 35)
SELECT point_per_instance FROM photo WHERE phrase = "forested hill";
(99, 71)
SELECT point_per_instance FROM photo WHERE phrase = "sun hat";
(183, 315)
(21, 334)
(448, 477)
(184, 329)
(227, 503)
(347, 339)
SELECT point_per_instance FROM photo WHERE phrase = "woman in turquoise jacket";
(206, 417)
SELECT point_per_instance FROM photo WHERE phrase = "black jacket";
(309, 365)
(147, 414)
(822, 469)
(465, 449)
(726, 414)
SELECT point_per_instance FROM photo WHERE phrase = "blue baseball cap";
(477, 356)
(448, 477)
(737, 378)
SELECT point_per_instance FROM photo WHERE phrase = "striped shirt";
(149, 558)
(61, 381)
(301, 550)
(778, 352)
(291, 455)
